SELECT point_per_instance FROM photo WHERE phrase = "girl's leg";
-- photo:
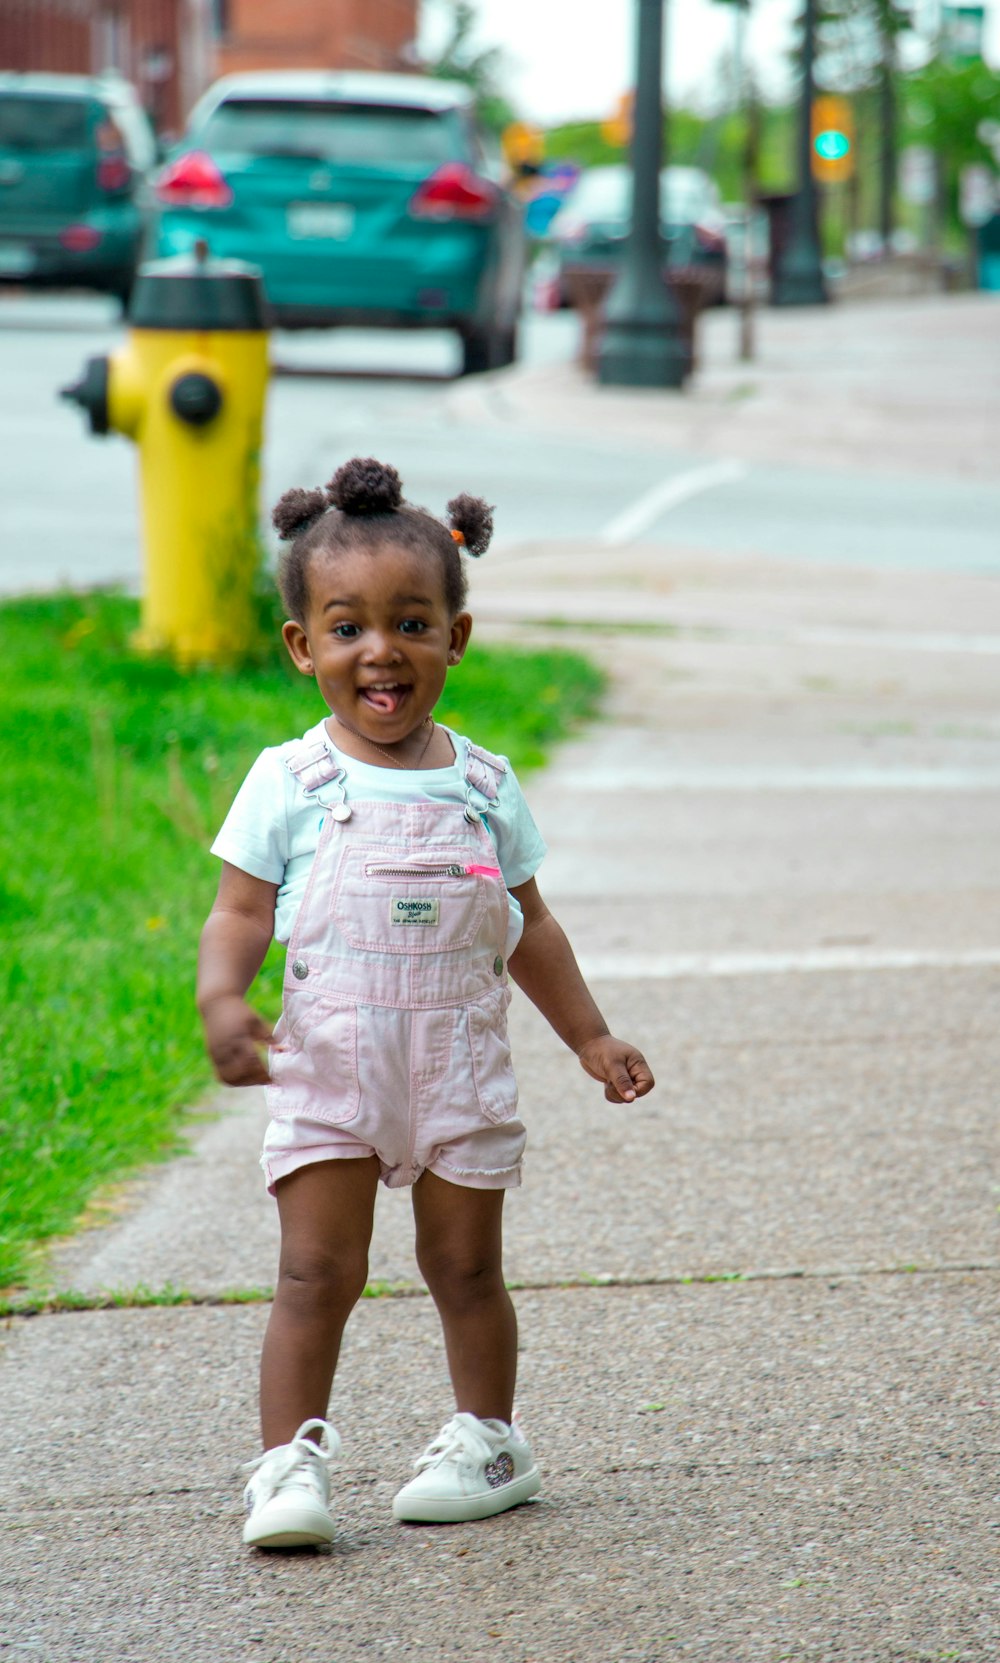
(459, 1252)
(326, 1213)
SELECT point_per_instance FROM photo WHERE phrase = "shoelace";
(460, 1439)
(276, 1466)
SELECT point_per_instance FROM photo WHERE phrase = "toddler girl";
(397, 860)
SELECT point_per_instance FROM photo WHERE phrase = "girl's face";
(378, 637)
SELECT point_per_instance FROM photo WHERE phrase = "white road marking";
(633, 521)
(619, 967)
(757, 779)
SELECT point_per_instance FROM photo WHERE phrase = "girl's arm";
(543, 966)
(234, 941)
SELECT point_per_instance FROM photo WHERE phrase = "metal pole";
(746, 102)
(887, 138)
(799, 278)
(645, 343)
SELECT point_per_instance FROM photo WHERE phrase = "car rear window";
(39, 123)
(377, 135)
(606, 193)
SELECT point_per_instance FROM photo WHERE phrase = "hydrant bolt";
(196, 398)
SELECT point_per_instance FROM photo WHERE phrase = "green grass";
(117, 772)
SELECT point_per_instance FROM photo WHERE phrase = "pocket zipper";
(452, 871)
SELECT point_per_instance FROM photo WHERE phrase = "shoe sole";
(464, 1509)
(294, 1531)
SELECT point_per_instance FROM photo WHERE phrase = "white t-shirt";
(273, 827)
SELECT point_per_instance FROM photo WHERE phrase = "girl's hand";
(623, 1071)
(235, 1036)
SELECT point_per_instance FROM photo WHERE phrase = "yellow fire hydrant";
(189, 387)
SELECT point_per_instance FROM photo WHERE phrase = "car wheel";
(506, 347)
(488, 349)
(123, 294)
(477, 351)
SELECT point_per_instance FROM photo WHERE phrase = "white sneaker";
(287, 1499)
(472, 1469)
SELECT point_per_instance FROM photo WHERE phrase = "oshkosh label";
(412, 909)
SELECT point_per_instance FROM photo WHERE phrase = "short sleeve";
(519, 844)
(254, 835)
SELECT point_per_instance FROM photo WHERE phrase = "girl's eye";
(412, 626)
(345, 631)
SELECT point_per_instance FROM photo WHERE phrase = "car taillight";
(113, 171)
(453, 191)
(710, 241)
(79, 238)
(113, 174)
(193, 181)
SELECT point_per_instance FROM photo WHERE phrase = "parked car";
(74, 154)
(364, 199)
(589, 231)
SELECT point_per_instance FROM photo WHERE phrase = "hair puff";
(473, 517)
(364, 486)
(297, 510)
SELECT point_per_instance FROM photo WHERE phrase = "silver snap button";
(300, 970)
(498, 966)
(472, 816)
(340, 811)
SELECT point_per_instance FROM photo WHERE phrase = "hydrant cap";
(192, 291)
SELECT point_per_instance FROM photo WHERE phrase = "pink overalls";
(393, 1038)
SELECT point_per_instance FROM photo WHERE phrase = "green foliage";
(117, 773)
(943, 105)
(715, 143)
(482, 70)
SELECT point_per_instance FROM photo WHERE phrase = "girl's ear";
(297, 642)
(461, 629)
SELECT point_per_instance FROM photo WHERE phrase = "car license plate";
(320, 219)
(16, 259)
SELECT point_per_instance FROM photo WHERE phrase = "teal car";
(364, 199)
(75, 152)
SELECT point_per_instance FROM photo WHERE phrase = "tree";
(945, 105)
(481, 69)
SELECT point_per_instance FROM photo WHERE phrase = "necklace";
(428, 722)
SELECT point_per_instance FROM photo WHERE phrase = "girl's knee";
(310, 1280)
(462, 1279)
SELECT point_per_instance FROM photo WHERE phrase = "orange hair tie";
(459, 536)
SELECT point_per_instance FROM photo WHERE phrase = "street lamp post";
(798, 280)
(644, 343)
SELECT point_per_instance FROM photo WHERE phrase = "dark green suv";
(74, 155)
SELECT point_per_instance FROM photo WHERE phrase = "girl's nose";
(382, 648)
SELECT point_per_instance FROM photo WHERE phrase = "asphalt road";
(395, 395)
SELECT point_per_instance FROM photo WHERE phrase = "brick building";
(164, 47)
(322, 34)
(172, 49)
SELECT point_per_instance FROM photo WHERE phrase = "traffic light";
(832, 139)
(617, 129)
(523, 146)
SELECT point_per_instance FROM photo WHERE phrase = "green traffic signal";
(832, 146)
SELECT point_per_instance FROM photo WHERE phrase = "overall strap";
(313, 765)
(484, 771)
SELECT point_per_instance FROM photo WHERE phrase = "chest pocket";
(386, 902)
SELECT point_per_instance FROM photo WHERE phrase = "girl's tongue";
(384, 699)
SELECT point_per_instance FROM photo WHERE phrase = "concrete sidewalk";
(759, 1310)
